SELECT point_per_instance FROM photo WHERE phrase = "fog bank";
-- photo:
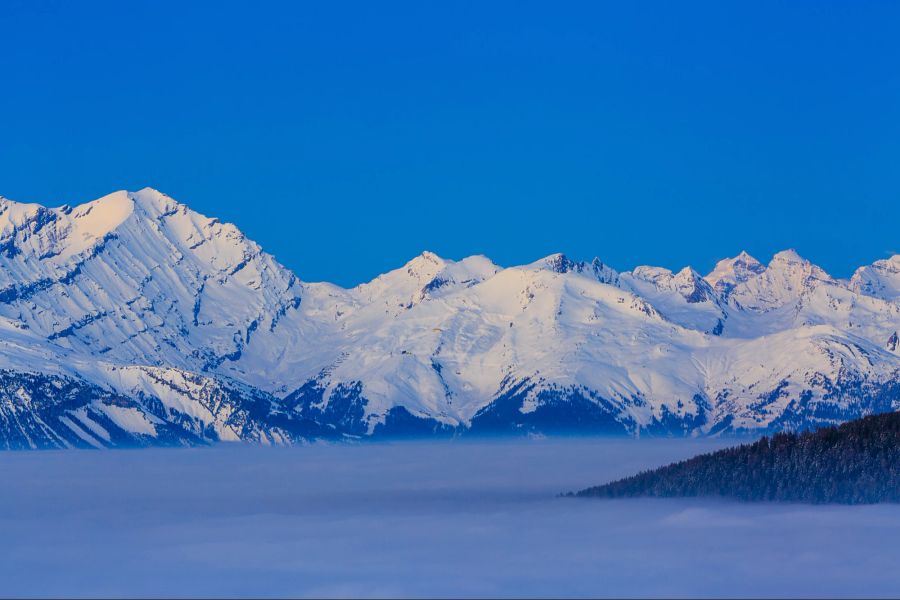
(415, 519)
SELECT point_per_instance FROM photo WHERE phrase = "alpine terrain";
(133, 320)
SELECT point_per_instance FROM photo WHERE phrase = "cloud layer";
(414, 519)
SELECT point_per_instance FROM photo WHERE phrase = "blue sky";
(348, 137)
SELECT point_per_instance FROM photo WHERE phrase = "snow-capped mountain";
(729, 272)
(132, 320)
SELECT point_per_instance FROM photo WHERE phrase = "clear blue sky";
(348, 137)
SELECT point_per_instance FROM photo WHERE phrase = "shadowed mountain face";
(855, 463)
(136, 297)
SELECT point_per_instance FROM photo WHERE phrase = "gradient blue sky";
(348, 137)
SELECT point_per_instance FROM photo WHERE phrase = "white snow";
(129, 419)
(135, 291)
(729, 272)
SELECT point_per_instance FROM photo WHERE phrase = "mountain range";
(133, 320)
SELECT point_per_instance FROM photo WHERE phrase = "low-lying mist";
(452, 518)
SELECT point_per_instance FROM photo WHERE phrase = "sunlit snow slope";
(133, 320)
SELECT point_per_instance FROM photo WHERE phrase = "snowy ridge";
(133, 320)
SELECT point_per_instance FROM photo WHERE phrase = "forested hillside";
(855, 463)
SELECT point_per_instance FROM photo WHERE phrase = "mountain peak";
(603, 272)
(651, 274)
(99, 217)
(557, 263)
(156, 201)
(880, 279)
(790, 261)
(729, 272)
(688, 272)
(789, 256)
(427, 264)
(429, 256)
(147, 190)
(691, 285)
(687, 282)
(397, 285)
(136, 280)
(57, 234)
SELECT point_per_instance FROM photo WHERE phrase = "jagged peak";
(427, 257)
(556, 263)
(425, 266)
(692, 286)
(688, 273)
(743, 258)
(560, 263)
(729, 272)
(12, 209)
(655, 274)
(603, 272)
(687, 283)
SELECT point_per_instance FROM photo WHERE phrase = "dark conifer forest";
(855, 463)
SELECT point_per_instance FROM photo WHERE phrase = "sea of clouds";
(414, 519)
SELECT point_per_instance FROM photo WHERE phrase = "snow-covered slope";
(134, 320)
(880, 279)
(138, 278)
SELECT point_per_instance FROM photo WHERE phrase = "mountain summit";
(729, 272)
(134, 320)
